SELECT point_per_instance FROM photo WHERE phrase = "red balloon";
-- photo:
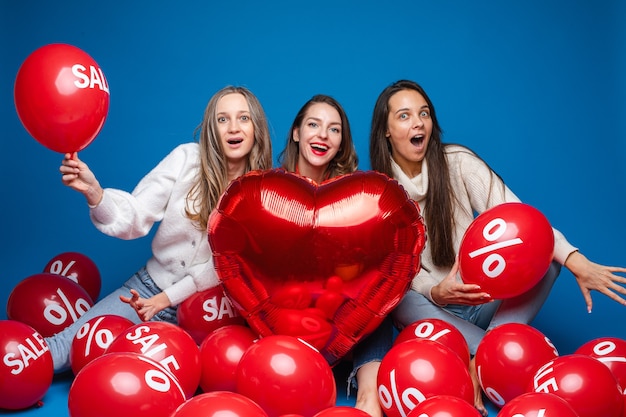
(79, 268)
(324, 263)
(341, 411)
(219, 403)
(611, 351)
(444, 406)
(166, 344)
(26, 370)
(124, 384)
(47, 302)
(507, 250)
(220, 353)
(418, 369)
(584, 382)
(437, 330)
(61, 97)
(206, 311)
(507, 358)
(286, 376)
(537, 404)
(94, 337)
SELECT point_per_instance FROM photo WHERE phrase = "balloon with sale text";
(26, 370)
(506, 250)
(61, 97)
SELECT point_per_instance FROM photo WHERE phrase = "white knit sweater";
(477, 189)
(181, 261)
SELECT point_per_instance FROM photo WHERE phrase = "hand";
(451, 291)
(77, 175)
(591, 276)
(146, 308)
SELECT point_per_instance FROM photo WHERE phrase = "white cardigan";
(477, 189)
(181, 262)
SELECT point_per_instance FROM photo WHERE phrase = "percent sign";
(57, 268)
(387, 399)
(606, 347)
(494, 264)
(102, 337)
(57, 314)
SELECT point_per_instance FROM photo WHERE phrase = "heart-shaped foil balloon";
(324, 263)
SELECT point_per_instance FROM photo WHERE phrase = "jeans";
(61, 343)
(372, 348)
(474, 321)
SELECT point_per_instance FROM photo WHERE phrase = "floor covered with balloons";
(54, 403)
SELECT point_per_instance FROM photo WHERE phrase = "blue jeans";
(141, 281)
(474, 321)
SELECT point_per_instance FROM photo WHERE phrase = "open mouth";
(417, 140)
(234, 141)
(319, 148)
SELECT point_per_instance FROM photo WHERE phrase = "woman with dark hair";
(451, 183)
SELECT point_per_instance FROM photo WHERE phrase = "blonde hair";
(212, 177)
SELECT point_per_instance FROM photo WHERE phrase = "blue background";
(535, 87)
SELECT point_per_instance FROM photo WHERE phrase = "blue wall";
(535, 87)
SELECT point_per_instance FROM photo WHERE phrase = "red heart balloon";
(325, 263)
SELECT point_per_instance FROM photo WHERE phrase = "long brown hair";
(212, 177)
(346, 160)
(439, 213)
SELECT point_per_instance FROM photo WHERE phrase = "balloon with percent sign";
(506, 250)
(167, 344)
(438, 330)
(611, 351)
(47, 302)
(507, 357)
(124, 384)
(418, 369)
(220, 353)
(444, 406)
(80, 269)
(26, 369)
(584, 382)
(94, 337)
(206, 311)
(537, 404)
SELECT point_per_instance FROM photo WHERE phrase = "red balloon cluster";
(508, 350)
(61, 97)
(94, 337)
(124, 384)
(437, 330)
(418, 369)
(167, 344)
(325, 263)
(286, 376)
(47, 302)
(26, 369)
(79, 268)
(206, 311)
(507, 250)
